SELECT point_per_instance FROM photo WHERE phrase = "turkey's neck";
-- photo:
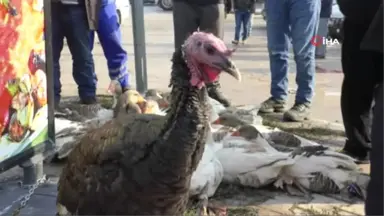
(185, 131)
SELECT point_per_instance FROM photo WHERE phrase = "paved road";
(251, 58)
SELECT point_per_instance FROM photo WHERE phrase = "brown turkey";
(142, 164)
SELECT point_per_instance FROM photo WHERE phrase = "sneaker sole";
(290, 119)
(273, 110)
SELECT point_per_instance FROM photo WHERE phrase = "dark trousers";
(242, 21)
(70, 21)
(374, 201)
(189, 18)
(363, 71)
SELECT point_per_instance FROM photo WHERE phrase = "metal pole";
(32, 170)
(139, 45)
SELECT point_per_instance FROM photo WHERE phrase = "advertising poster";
(23, 82)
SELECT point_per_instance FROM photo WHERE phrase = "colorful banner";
(23, 93)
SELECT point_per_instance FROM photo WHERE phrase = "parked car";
(123, 8)
(165, 4)
(335, 24)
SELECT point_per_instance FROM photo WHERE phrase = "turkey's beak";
(158, 95)
(233, 71)
(142, 103)
(229, 67)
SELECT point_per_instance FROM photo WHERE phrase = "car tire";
(119, 19)
(165, 4)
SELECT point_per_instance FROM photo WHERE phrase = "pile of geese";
(239, 150)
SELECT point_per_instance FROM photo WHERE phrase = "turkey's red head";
(207, 56)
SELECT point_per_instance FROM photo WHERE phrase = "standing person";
(322, 30)
(243, 15)
(298, 20)
(109, 35)
(373, 42)
(203, 15)
(363, 71)
(73, 20)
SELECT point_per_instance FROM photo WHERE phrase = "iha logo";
(318, 40)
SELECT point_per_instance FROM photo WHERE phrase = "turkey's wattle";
(142, 164)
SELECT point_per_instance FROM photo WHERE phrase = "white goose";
(209, 173)
(249, 160)
(320, 170)
(310, 167)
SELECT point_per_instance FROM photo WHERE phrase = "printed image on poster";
(23, 83)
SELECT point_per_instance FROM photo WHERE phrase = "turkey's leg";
(205, 208)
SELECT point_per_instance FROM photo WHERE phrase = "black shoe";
(88, 100)
(358, 159)
(298, 113)
(215, 93)
(272, 105)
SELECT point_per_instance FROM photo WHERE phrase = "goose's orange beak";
(142, 103)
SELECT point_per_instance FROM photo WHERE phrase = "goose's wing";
(208, 174)
(216, 106)
(251, 169)
(68, 133)
(323, 173)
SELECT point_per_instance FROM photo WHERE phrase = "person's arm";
(253, 6)
(228, 6)
(373, 39)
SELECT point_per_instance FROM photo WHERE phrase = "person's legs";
(322, 31)
(246, 25)
(238, 16)
(212, 19)
(57, 45)
(277, 35)
(357, 91)
(250, 25)
(374, 200)
(304, 18)
(185, 22)
(78, 39)
(110, 39)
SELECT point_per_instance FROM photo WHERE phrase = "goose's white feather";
(209, 173)
(336, 167)
(254, 169)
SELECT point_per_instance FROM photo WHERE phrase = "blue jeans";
(110, 39)
(297, 19)
(70, 21)
(242, 21)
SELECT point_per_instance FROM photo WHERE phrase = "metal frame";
(31, 159)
